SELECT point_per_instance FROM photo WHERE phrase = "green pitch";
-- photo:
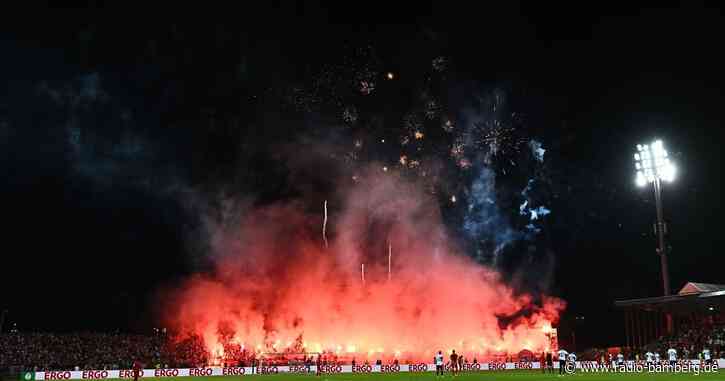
(487, 376)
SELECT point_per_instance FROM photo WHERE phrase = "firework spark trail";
(537, 150)
(324, 225)
(390, 258)
(278, 286)
(534, 213)
(484, 222)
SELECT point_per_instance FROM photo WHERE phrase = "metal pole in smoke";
(362, 272)
(324, 225)
(390, 258)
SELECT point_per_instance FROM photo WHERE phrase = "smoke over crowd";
(398, 253)
(388, 284)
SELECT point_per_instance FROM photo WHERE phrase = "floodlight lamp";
(652, 163)
(641, 180)
(669, 172)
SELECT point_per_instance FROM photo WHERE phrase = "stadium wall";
(241, 371)
(216, 371)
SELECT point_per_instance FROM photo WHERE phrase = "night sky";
(111, 121)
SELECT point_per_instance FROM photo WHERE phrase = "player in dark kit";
(549, 362)
(137, 368)
(454, 362)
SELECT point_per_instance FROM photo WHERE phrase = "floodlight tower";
(653, 165)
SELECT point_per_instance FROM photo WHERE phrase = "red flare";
(277, 288)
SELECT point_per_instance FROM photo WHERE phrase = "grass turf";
(511, 375)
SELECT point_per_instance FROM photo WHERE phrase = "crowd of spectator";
(86, 351)
(98, 351)
(691, 340)
(47, 351)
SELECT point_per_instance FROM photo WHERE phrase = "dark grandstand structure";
(665, 318)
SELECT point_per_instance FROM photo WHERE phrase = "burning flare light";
(277, 289)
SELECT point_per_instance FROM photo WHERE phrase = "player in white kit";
(562, 360)
(706, 356)
(438, 359)
(672, 356)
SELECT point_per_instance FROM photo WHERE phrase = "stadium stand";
(21, 352)
(47, 351)
(688, 321)
(98, 351)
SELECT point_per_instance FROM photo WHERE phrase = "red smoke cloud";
(276, 284)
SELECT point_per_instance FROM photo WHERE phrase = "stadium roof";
(692, 297)
(698, 288)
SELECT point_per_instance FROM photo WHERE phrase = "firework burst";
(367, 87)
(447, 125)
(432, 108)
(497, 138)
(412, 123)
(350, 115)
(439, 64)
(464, 163)
(457, 149)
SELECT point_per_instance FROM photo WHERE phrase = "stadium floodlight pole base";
(661, 250)
(653, 166)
